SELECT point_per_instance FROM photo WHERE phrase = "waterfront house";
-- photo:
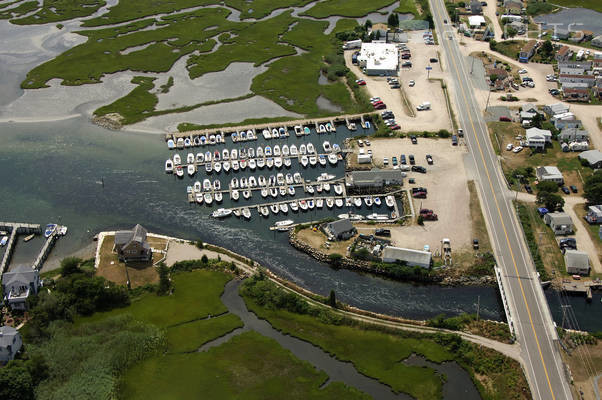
(18, 284)
(555, 109)
(573, 135)
(132, 245)
(564, 123)
(577, 262)
(563, 54)
(594, 214)
(593, 158)
(537, 138)
(10, 343)
(549, 174)
(597, 41)
(375, 179)
(561, 33)
(560, 223)
(527, 51)
(342, 229)
(411, 258)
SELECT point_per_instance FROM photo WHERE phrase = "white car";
(518, 149)
(411, 83)
(374, 99)
(386, 160)
(522, 71)
(509, 146)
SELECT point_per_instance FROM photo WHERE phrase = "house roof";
(408, 255)
(340, 226)
(573, 132)
(137, 234)
(589, 77)
(577, 259)
(558, 108)
(529, 46)
(532, 132)
(7, 333)
(530, 107)
(597, 209)
(20, 274)
(549, 171)
(591, 156)
(564, 50)
(476, 20)
(560, 218)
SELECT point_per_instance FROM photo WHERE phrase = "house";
(576, 94)
(597, 41)
(594, 214)
(475, 21)
(527, 116)
(593, 158)
(529, 107)
(475, 7)
(527, 51)
(549, 174)
(585, 65)
(511, 18)
(342, 229)
(518, 26)
(565, 116)
(379, 58)
(573, 135)
(574, 85)
(364, 158)
(376, 178)
(577, 262)
(563, 123)
(563, 54)
(10, 343)
(132, 245)
(555, 109)
(537, 138)
(569, 78)
(513, 7)
(412, 258)
(581, 36)
(560, 222)
(499, 74)
(18, 284)
(571, 71)
(562, 33)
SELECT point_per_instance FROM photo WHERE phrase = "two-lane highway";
(529, 310)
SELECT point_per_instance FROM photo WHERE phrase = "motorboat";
(199, 198)
(269, 162)
(282, 191)
(177, 160)
(225, 154)
(390, 201)
(180, 143)
(326, 146)
(264, 211)
(264, 192)
(217, 156)
(244, 182)
(294, 205)
(303, 205)
(191, 169)
(208, 156)
(189, 189)
(252, 164)
(250, 132)
(234, 154)
(203, 140)
(332, 158)
(260, 163)
(336, 148)
(277, 150)
(330, 127)
(221, 213)
(217, 166)
(206, 185)
(187, 142)
(297, 177)
(274, 192)
(274, 208)
(338, 202)
(243, 163)
(208, 167)
(303, 149)
(310, 148)
(234, 183)
(219, 139)
(284, 208)
(217, 185)
(169, 166)
(352, 126)
(242, 153)
(306, 130)
(304, 161)
(190, 158)
(211, 139)
(326, 187)
(267, 151)
(272, 180)
(266, 134)
(357, 201)
(311, 204)
(208, 198)
(280, 179)
(338, 189)
(236, 212)
(50, 230)
(200, 158)
(218, 197)
(348, 202)
(319, 203)
(298, 130)
(171, 144)
(275, 133)
(321, 128)
(282, 131)
(293, 150)
(367, 124)
(319, 188)
(235, 165)
(259, 152)
(251, 152)
(278, 162)
(235, 195)
(226, 166)
(313, 160)
(378, 217)
(235, 137)
(325, 177)
(246, 213)
(246, 194)
(368, 201)
(261, 180)
(179, 171)
(377, 201)
(329, 202)
(289, 179)
(322, 159)
(291, 190)
(310, 189)
(287, 162)
(197, 187)
(252, 182)
(286, 150)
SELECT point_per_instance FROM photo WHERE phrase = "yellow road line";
(505, 232)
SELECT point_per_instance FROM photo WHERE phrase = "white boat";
(259, 152)
(236, 212)
(264, 211)
(280, 178)
(286, 222)
(218, 197)
(311, 204)
(251, 152)
(293, 150)
(217, 185)
(357, 201)
(211, 139)
(282, 191)
(234, 183)
(274, 192)
(267, 151)
(289, 179)
(197, 187)
(208, 198)
(180, 143)
(266, 134)
(244, 182)
(297, 177)
(352, 126)
(217, 166)
(226, 166)
(221, 213)
(336, 148)
(200, 158)
(303, 149)
(264, 192)
(171, 144)
(309, 189)
(368, 201)
(208, 156)
(274, 208)
(378, 217)
(278, 162)
(304, 161)
(243, 163)
(326, 187)
(179, 171)
(189, 189)
(206, 185)
(332, 158)
(235, 165)
(219, 139)
(252, 164)
(294, 206)
(306, 130)
(246, 194)
(284, 208)
(377, 201)
(313, 160)
(261, 180)
(208, 167)
(225, 154)
(196, 141)
(234, 154)
(287, 162)
(319, 203)
(260, 163)
(272, 180)
(322, 159)
(291, 190)
(326, 146)
(199, 198)
(203, 140)
(235, 195)
(321, 128)
(169, 166)
(275, 133)
(246, 213)
(338, 189)
(390, 200)
(348, 202)
(303, 205)
(277, 150)
(330, 127)
(298, 130)
(235, 137)
(191, 169)
(217, 156)
(286, 150)
(269, 162)
(282, 131)
(329, 202)
(252, 182)
(4, 240)
(187, 142)
(190, 158)
(310, 148)
(338, 202)
(325, 177)
(250, 133)
(177, 160)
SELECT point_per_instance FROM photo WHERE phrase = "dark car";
(419, 189)
(568, 243)
(445, 21)
(573, 188)
(554, 92)
(433, 60)
(412, 161)
(394, 160)
(429, 159)
(395, 86)
(475, 244)
(403, 159)
(419, 195)
(407, 64)
(414, 139)
(528, 189)
(565, 190)
(418, 168)
(382, 232)
(388, 114)
(505, 119)
(454, 140)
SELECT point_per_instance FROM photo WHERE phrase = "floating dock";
(15, 228)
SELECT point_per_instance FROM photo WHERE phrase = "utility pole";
(478, 306)
(488, 96)
(471, 65)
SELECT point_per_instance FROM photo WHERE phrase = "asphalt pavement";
(530, 314)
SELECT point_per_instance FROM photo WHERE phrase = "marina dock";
(15, 228)
(581, 287)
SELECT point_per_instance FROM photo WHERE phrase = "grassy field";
(407, 7)
(61, 10)
(192, 335)
(249, 366)
(20, 10)
(261, 8)
(196, 295)
(346, 8)
(136, 105)
(591, 4)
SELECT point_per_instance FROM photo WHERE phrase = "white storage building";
(379, 58)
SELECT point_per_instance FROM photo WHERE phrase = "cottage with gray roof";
(593, 158)
(10, 343)
(412, 258)
(567, 123)
(573, 135)
(132, 245)
(376, 178)
(556, 109)
(549, 173)
(18, 284)
(560, 222)
(342, 229)
(577, 262)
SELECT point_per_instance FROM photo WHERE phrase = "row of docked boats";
(195, 141)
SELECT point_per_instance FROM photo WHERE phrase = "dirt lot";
(425, 90)
(139, 274)
(448, 193)
(581, 374)
(317, 239)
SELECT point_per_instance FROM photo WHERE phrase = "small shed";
(560, 222)
(577, 262)
(410, 257)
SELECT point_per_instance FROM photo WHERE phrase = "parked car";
(505, 119)
(554, 92)
(429, 159)
(386, 160)
(394, 160)
(522, 71)
(367, 142)
(361, 82)
(395, 86)
(414, 139)
(419, 195)
(418, 168)
(382, 232)
(509, 146)
(433, 60)
(412, 161)
(573, 188)
(373, 99)
(565, 190)
(460, 132)
(570, 243)
(411, 83)
(395, 127)
(403, 159)
(517, 149)
(407, 64)
(380, 106)
(528, 189)
(475, 244)
(454, 140)
(419, 189)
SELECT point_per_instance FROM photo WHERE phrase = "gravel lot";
(448, 194)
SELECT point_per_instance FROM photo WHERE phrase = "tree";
(511, 32)
(70, 265)
(335, 258)
(492, 45)
(592, 190)
(551, 201)
(547, 49)
(377, 35)
(547, 186)
(204, 259)
(164, 282)
(537, 120)
(332, 300)
(393, 20)
(368, 24)
(15, 383)
(420, 220)
(493, 78)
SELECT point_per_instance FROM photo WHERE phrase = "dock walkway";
(15, 228)
(584, 287)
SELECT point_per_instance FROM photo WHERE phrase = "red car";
(381, 106)
(361, 82)
(395, 127)
(505, 119)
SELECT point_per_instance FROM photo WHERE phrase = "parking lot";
(448, 194)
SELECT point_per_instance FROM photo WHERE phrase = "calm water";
(51, 172)
(574, 19)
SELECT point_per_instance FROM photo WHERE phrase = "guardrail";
(498, 276)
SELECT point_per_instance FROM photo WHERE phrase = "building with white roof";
(379, 58)
(476, 20)
(549, 174)
(537, 138)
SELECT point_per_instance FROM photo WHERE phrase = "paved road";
(529, 310)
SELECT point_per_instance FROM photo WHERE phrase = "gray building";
(376, 178)
(597, 41)
(10, 343)
(132, 245)
(567, 123)
(412, 258)
(555, 109)
(475, 7)
(594, 214)
(560, 222)
(549, 174)
(573, 134)
(593, 158)
(577, 262)
(18, 285)
(342, 229)
(585, 65)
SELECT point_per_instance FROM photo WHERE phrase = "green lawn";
(407, 7)
(591, 4)
(196, 295)
(135, 105)
(249, 366)
(192, 335)
(346, 8)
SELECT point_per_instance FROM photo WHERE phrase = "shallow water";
(574, 19)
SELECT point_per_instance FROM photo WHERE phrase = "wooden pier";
(581, 287)
(15, 228)
(288, 125)
(39, 262)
